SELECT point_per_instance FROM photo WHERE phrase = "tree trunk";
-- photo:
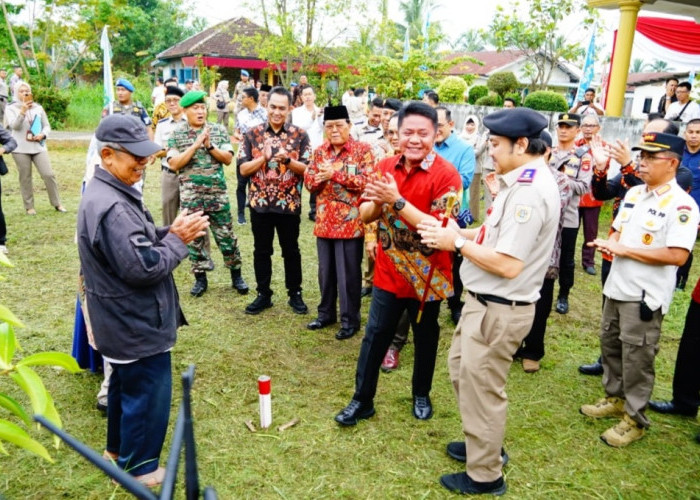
(20, 56)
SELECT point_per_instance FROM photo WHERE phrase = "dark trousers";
(312, 205)
(384, 313)
(686, 378)
(287, 227)
(455, 302)
(589, 220)
(340, 276)
(681, 273)
(566, 261)
(533, 344)
(138, 408)
(241, 196)
(3, 227)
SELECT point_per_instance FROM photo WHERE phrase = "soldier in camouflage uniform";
(198, 150)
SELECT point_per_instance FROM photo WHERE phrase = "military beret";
(192, 97)
(127, 131)
(174, 90)
(571, 119)
(546, 137)
(335, 113)
(653, 142)
(244, 73)
(514, 123)
(123, 82)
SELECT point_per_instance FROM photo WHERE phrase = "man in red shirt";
(337, 174)
(404, 190)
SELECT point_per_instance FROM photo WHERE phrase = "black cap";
(335, 113)
(546, 137)
(516, 122)
(174, 90)
(127, 131)
(571, 119)
(265, 88)
(654, 142)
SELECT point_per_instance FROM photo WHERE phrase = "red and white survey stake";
(265, 401)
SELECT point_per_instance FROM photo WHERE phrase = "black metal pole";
(191, 474)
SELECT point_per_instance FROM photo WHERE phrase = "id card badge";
(351, 169)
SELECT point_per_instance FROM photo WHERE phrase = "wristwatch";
(210, 147)
(399, 204)
(459, 243)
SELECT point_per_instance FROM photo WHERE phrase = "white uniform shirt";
(302, 118)
(521, 223)
(164, 130)
(665, 217)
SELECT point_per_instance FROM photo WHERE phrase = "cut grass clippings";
(555, 452)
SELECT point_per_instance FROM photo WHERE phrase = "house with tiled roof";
(645, 89)
(564, 77)
(224, 46)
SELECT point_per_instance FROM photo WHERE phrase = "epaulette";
(527, 176)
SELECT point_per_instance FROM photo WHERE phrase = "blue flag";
(587, 76)
(108, 95)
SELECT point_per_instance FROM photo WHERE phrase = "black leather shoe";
(101, 408)
(422, 407)
(297, 303)
(458, 451)
(260, 303)
(455, 315)
(366, 291)
(345, 333)
(353, 412)
(462, 483)
(562, 305)
(671, 408)
(590, 270)
(200, 284)
(238, 282)
(592, 369)
(317, 324)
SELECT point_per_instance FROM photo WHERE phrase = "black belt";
(483, 299)
(166, 169)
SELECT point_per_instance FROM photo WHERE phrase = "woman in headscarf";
(470, 133)
(29, 126)
(223, 100)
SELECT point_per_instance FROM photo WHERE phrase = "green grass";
(555, 452)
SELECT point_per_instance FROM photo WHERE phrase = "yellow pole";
(270, 76)
(623, 53)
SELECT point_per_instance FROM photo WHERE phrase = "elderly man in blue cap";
(243, 83)
(126, 106)
(127, 263)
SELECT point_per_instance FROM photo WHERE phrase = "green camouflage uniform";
(203, 187)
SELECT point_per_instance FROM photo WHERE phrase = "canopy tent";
(674, 41)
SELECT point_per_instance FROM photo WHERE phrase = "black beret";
(174, 90)
(571, 119)
(516, 122)
(654, 142)
(546, 137)
(335, 113)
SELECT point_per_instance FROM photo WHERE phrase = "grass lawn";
(555, 452)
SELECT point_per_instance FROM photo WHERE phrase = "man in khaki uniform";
(654, 232)
(504, 266)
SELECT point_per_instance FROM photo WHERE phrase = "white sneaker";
(3, 249)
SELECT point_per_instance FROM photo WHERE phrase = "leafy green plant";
(477, 92)
(490, 100)
(546, 100)
(452, 89)
(54, 102)
(517, 98)
(29, 381)
(502, 83)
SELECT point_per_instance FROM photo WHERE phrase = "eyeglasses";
(138, 159)
(331, 126)
(646, 156)
(174, 100)
(589, 125)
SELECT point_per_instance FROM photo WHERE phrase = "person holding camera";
(29, 125)
(684, 109)
(588, 106)
(653, 234)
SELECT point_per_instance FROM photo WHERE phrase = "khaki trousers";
(483, 345)
(629, 346)
(170, 196)
(43, 165)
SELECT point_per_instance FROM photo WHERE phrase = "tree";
(546, 100)
(452, 89)
(638, 65)
(659, 66)
(470, 41)
(536, 35)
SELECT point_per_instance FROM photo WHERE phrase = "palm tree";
(414, 16)
(638, 66)
(470, 41)
(659, 66)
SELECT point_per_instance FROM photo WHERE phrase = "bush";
(85, 107)
(502, 83)
(452, 89)
(546, 100)
(55, 103)
(490, 100)
(516, 97)
(477, 92)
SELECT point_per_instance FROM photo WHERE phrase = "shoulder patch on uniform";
(527, 176)
(684, 214)
(522, 213)
(663, 190)
(684, 207)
